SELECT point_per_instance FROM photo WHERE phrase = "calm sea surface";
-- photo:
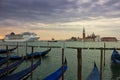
(52, 60)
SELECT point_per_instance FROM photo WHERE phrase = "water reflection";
(115, 70)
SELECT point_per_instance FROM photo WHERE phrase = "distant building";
(98, 38)
(92, 38)
(83, 33)
(109, 39)
(74, 39)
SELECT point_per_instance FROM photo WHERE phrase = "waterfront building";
(83, 33)
(92, 38)
(109, 39)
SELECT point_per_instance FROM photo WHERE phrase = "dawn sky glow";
(60, 19)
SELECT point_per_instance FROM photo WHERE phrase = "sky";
(60, 19)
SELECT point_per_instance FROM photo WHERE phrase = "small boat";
(115, 57)
(14, 57)
(58, 73)
(38, 54)
(9, 50)
(115, 72)
(52, 40)
(24, 74)
(28, 56)
(94, 74)
(10, 68)
(3, 60)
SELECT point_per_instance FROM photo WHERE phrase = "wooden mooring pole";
(17, 48)
(104, 53)
(7, 59)
(32, 62)
(47, 45)
(26, 47)
(62, 63)
(101, 62)
(79, 57)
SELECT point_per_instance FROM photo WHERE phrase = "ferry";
(25, 36)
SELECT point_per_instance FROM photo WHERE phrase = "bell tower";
(83, 33)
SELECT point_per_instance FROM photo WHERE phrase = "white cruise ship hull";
(26, 36)
(21, 40)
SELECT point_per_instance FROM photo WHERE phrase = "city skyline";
(60, 19)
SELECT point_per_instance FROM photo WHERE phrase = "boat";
(24, 74)
(58, 73)
(52, 40)
(34, 55)
(10, 68)
(2, 61)
(94, 74)
(115, 57)
(14, 57)
(115, 65)
(9, 50)
(23, 37)
(115, 72)
(28, 56)
(38, 54)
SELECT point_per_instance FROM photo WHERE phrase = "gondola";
(38, 54)
(115, 64)
(9, 50)
(2, 61)
(94, 74)
(10, 68)
(115, 58)
(24, 74)
(13, 57)
(115, 72)
(28, 56)
(58, 73)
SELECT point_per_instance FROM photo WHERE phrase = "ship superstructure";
(26, 36)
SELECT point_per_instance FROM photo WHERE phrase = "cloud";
(33, 10)
(60, 15)
(51, 11)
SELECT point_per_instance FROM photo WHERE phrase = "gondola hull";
(94, 74)
(10, 68)
(58, 73)
(9, 50)
(22, 75)
(28, 56)
(3, 61)
(37, 54)
(115, 58)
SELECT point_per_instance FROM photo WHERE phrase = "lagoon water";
(52, 60)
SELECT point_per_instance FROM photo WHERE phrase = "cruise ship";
(25, 36)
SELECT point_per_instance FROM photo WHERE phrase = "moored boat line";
(23, 74)
(28, 56)
(10, 68)
(91, 49)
